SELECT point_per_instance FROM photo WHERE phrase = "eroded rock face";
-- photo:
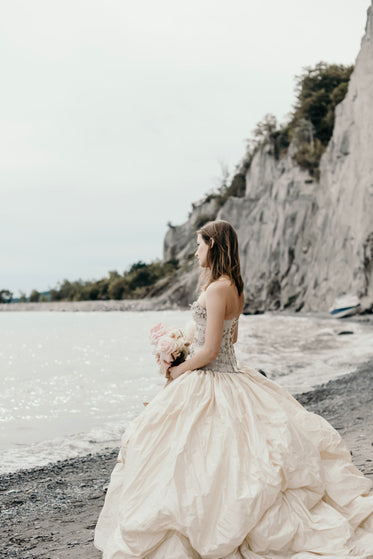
(274, 225)
(180, 241)
(342, 260)
(303, 242)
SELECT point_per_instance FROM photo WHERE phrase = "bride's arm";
(215, 306)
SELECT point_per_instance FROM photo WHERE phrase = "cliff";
(303, 241)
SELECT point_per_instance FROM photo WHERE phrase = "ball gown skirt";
(225, 464)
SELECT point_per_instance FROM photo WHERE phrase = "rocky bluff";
(304, 241)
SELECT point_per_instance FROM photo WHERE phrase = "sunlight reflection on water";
(71, 382)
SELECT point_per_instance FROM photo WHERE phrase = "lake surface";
(71, 381)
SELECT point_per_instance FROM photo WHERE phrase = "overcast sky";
(116, 115)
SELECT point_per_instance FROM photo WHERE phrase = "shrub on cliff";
(236, 188)
(308, 156)
(319, 90)
(310, 126)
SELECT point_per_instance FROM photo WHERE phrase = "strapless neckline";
(204, 311)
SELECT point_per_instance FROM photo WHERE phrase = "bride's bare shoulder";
(224, 290)
(221, 285)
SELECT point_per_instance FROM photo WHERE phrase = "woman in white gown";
(225, 464)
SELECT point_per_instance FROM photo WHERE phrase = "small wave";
(40, 454)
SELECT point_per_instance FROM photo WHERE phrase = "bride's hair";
(223, 257)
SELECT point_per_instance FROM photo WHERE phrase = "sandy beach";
(50, 512)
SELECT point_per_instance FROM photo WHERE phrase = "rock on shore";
(50, 512)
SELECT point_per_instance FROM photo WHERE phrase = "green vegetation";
(236, 188)
(34, 296)
(310, 126)
(6, 296)
(135, 283)
(319, 90)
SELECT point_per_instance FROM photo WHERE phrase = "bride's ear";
(212, 241)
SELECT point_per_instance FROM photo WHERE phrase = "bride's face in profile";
(202, 251)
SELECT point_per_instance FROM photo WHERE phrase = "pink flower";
(171, 345)
(157, 332)
(166, 347)
(175, 333)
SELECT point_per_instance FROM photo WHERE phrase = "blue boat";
(346, 305)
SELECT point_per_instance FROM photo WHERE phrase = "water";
(71, 382)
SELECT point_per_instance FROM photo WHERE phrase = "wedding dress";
(225, 464)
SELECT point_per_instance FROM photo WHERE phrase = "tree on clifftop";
(310, 126)
(319, 89)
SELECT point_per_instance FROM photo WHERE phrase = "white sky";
(115, 116)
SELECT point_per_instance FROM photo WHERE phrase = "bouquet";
(171, 345)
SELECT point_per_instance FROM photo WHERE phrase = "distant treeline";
(135, 283)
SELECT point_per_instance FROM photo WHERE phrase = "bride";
(225, 464)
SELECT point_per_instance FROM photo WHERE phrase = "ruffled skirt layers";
(230, 466)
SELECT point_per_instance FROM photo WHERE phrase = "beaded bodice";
(225, 362)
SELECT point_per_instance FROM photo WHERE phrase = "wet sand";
(50, 512)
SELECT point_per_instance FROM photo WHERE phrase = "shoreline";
(152, 304)
(50, 512)
(109, 305)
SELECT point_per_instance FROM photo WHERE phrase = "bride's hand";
(174, 372)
